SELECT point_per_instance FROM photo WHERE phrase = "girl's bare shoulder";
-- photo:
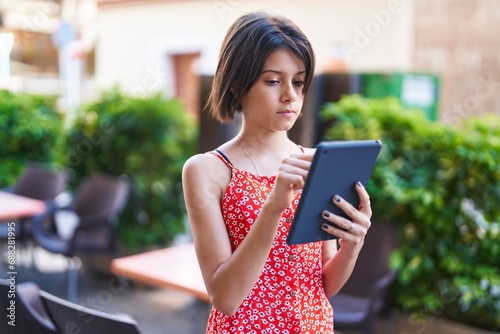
(205, 166)
(201, 159)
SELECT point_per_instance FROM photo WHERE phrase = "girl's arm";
(229, 277)
(338, 265)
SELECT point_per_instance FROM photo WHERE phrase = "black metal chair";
(40, 182)
(365, 297)
(74, 318)
(97, 203)
(30, 314)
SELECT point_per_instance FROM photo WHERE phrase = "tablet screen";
(335, 169)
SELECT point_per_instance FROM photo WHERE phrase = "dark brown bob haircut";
(247, 44)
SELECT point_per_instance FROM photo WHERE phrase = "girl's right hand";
(290, 180)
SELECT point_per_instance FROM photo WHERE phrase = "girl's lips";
(286, 112)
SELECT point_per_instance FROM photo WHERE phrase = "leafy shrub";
(148, 139)
(442, 185)
(31, 129)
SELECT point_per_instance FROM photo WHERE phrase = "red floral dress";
(289, 296)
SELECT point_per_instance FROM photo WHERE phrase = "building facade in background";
(455, 40)
(171, 45)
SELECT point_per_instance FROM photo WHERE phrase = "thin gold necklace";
(245, 151)
(253, 163)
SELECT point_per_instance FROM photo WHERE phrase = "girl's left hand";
(353, 235)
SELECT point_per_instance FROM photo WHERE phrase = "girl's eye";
(298, 83)
(273, 82)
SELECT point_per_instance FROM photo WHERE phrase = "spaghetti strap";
(222, 157)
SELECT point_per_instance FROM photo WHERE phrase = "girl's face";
(275, 100)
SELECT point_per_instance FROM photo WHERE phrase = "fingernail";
(336, 198)
(326, 214)
(359, 184)
(324, 226)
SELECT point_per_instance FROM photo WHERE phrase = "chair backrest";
(40, 182)
(373, 260)
(74, 318)
(29, 314)
(101, 193)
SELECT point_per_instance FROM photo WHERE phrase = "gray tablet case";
(335, 169)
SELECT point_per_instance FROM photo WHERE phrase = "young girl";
(241, 197)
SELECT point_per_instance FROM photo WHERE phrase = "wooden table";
(13, 207)
(174, 267)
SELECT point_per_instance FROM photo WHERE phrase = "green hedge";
(31, 129)
(442, 185)
(148, 139)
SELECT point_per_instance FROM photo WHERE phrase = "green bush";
(148, 139)
(442, 185)
(31, 129)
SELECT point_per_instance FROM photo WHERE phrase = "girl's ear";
(234, 88)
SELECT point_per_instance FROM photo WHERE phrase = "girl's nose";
(289, 94)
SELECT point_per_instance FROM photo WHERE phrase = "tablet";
(335, 169)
